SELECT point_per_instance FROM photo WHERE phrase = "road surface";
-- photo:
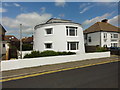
(97, 76)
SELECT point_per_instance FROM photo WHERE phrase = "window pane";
(67, 32)
(72, 32)
(77, 45)
(73, 46)
(89, 39)
(49, 31)
(115, 35)
(76, 32)
(3, 45)
(48, 45)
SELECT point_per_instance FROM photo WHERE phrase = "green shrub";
(71, 53)
(49, 53)
(46, 53)
(101, 49)
(27, 47)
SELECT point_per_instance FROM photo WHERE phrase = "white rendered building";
(102, 34)
(59, 35)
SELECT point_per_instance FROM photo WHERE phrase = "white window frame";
(68, 31)
(50, 33)
(105, 35)
(48, 43)
(69, 45)
(112, 36)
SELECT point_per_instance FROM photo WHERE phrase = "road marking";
(65, 69)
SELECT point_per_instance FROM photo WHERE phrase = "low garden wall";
(34, 62)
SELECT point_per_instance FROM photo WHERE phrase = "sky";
(30, 14)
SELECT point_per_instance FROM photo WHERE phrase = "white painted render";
(34, 62)
(58, 38)
(109, 39)
(97, 38)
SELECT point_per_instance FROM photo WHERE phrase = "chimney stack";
(105, 20)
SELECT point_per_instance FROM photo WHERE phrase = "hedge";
(34, 54)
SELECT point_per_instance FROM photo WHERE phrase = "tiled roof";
(102, 26)
(27, 39)
(10, 38)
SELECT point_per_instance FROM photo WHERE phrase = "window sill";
(48, 35)
(72, 36)
(48, 49)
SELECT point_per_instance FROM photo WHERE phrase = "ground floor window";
(114, 44)
(72, 45)
(48, 45)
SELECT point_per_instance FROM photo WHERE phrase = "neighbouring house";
(59, 35)
(2, 41)
(102, 34)
(12, 40)
(27, 43)
(27, 40)
(13, 43)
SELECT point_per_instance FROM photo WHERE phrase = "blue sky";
(33, 13)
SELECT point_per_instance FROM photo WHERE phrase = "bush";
(33, 54)
(27, 47)
(101, 49)
(46, 53)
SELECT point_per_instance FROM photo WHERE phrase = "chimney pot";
(105, 20)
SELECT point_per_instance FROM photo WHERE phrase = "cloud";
(16, 4)
(114, 20)
(42, 9)
(84, 5)
(85, 9)
(60, 3)
(6, 4)
(3, 10)
(28, 20)
(61, 15)
(88, 23)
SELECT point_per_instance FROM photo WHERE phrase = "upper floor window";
(105, 35)
(49, 31)
(71, 31)
(114, 35)
(89, 39)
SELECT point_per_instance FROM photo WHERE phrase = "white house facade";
(103, 39)
(59, 35)
(102, 34)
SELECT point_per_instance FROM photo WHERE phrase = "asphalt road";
(98, 76)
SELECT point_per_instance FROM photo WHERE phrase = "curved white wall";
(58, 38)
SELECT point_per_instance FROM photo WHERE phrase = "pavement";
(47, 68)
(96, 76)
